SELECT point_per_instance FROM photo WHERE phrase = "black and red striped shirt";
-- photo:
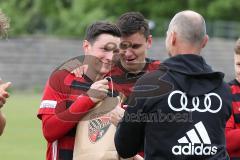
(124, 81)
(233, 124)
(61, 109)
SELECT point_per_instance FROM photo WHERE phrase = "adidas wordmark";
(197, 143)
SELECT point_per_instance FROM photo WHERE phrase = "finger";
(5, 94)
(99, 86)
(103, 81)
(79, 71)
(76, 73)
(124, 106)
(4, 86)
(104, 86)
(2, 100)
(102, 91)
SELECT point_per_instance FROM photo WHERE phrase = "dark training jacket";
(177, 112)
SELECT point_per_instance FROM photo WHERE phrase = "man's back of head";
(188, 32)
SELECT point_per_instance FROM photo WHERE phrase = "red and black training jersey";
(124, 81)
(233, 124)
(60, 111)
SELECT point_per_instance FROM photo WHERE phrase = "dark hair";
(97, 28)
(133, 22)
(237, 47)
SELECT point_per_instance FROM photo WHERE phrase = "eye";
(125, 45)
(110, 47)
(136, 46)
(116, 51)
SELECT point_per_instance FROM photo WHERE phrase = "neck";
(238, 79)
(138, 68)
(182, 51)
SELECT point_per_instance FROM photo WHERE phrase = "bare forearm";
(2, 122)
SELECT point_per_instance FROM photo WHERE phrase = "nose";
(128, 53)
(109, 56)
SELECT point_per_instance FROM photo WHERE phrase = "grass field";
(22, 138)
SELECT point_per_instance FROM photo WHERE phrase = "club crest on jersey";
(98, 127)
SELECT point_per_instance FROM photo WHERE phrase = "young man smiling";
(67, 98)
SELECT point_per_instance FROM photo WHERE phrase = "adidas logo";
(197, 142)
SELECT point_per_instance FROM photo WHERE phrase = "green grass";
(22, 138)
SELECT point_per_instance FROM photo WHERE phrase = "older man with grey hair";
(179, 111)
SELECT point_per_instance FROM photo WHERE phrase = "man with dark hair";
(233, 124)
(68, 98)
(135, 41)
(4, 25)
(133, 62)
(183, 85)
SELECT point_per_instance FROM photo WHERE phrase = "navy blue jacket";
(177, 112)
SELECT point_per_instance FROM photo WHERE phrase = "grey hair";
(237, 47)
(189, 26)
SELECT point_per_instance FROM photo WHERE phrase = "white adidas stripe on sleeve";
(48, 104)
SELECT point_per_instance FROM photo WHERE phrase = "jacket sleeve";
(129, 136)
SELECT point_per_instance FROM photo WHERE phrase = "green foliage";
(71, 17)
(224, 10)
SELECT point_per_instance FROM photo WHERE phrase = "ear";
(86, 46)
(205, 40)
(173, 38)
(149, 41)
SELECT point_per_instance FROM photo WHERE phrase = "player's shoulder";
(60, 79)
(153, 75)
(116, 70)
(234, 82)
(58, 75)
(153, 64)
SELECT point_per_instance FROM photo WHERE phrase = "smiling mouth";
(130, 60)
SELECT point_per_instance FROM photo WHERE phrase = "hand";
(116, 114)
(3, 93)
(79, 71)
(137, 157)
(98, 90)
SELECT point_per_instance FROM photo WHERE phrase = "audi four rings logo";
(195, 103)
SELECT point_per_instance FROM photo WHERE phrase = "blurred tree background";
(69, 18)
